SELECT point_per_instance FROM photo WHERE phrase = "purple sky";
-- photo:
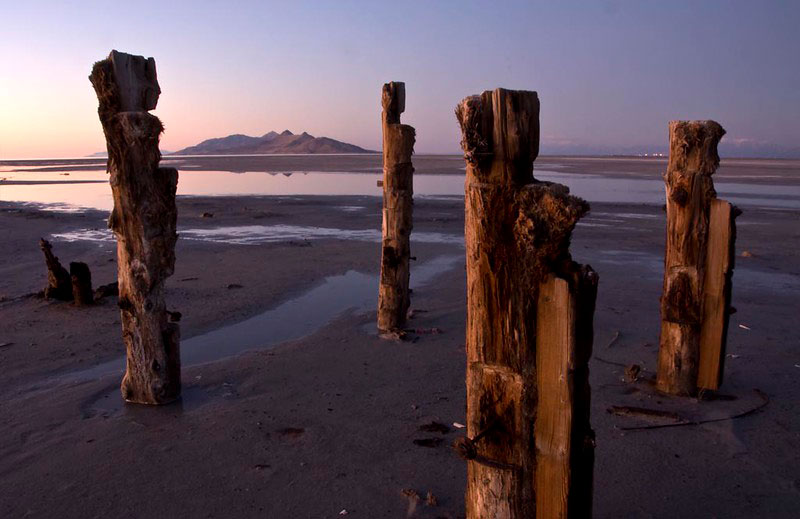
(610, 75)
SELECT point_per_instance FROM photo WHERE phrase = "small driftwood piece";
(398, 145)
(143, 221)
(81, 278)
(59, 283)
(111, 289)
(629, 410)
(698, 263)
(529, 323)
(682, 421)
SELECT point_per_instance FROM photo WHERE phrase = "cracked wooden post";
(529, 323)
(698, 263)
(143, 221)
(398, 145)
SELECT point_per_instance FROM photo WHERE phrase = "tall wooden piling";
(143, 221)
(529, 322)
(398, 145)
(698, 263)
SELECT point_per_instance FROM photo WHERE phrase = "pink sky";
(610, 74)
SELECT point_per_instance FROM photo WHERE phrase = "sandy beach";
(318, 417)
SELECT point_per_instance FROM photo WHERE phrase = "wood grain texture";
(398, 171)
(564, 438)
(136, 81)
(689, 193)
(143, 220)
(716, 294)
(517, 234)
(555, 362)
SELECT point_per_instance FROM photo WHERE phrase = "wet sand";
(327, 421)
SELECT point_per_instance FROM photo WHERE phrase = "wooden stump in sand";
(529, 323)
(81, 277)
(398, 145)
(59, 283)
(143, 221)
(698, 263)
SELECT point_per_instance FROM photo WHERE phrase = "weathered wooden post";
(698, 263)
(398, 145)
(529, 323)
(81, 277)
(143, 221)
(59, 283)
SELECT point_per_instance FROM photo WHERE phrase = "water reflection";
(258, 234)
(212, 183)
(60, 188)
(291, 320)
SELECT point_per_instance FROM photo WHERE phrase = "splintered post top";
(393, 100)
(501, 126)
(693, 145)
(136, 81)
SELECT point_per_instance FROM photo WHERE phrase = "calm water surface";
(82, 189)
(293, 319)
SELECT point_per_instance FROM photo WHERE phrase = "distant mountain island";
(272, 142)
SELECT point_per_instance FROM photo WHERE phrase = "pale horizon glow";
(610, 75)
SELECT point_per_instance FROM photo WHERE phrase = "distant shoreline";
(169, 156)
